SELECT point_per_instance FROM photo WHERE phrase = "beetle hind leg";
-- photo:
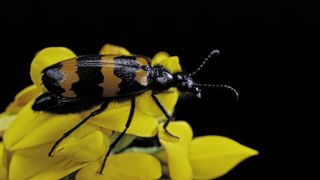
(103, 106)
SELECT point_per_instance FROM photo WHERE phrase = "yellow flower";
(205, 157)
(29, 135)
(13, 108)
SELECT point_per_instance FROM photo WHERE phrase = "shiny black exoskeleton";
(83, 82)
(162, 80)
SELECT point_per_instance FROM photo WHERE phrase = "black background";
(261, 46)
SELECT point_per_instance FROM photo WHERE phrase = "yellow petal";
(133, 166)
(214, 156)
(22, 98)
(47, 57)
(171, 63)
(34, 163)
(83, 145)
(116, 118)
(5, 122)
(12, 108)
(27, 94)
(160, 56)
(35, 128)
(178, 128)
(59, 170)
(168, 99)
(178, 152)
(3, 167)
(113, 49)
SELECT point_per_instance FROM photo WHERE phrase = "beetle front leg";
(115, 142)
(164, 111)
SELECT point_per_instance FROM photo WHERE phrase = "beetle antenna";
(223, 86)
(214, 52)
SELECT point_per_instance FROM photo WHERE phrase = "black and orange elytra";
(97, 75)
(80, 83)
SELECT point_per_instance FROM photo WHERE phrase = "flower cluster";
(27, 136)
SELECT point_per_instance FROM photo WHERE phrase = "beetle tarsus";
(171, 135)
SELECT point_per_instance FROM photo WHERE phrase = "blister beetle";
(80, 83)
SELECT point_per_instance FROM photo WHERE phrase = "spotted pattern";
(126, 68)
(69, 78)
(110, 82)
(142, 61)
(90, 76)
(51, 79)
(141, 77)
(98, 76)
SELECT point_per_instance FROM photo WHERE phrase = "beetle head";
(185, 83)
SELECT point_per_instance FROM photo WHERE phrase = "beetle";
(80, 83)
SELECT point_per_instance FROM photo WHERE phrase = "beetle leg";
(103, 106)
(115, 142)
(164, 92)
(164, 111)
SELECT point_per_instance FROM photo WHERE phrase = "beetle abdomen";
(97, 75)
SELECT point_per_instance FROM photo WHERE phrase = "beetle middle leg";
(164, 111)
(103, 106)
(115, 142)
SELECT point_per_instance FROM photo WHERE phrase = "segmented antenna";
(213, 52)
(223, 86)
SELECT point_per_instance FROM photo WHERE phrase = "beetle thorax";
(160, 79)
